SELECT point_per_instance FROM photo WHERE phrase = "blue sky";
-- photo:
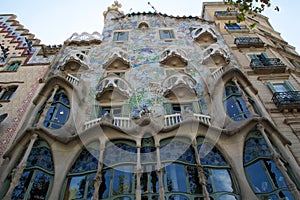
(55, 21)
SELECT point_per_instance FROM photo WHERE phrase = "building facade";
(162, 107)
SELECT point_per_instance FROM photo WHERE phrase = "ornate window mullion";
(160, 173)
(201, 174)
(18, 171)
(98, 176)
(138, 173)
(244, 97)
(279, 164)
(48, 104)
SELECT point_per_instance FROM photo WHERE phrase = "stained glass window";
(80, 180)
(219, 176)
(58, 113)
(266, 180)
(234, 104)
(36, 179)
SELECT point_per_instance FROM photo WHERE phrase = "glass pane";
(280, 87)
(211, 156)
(222, 180)
(20, 190)
(104, 187)
(91, 188)
(275, 174)
(61, 114)
(178, 197)
(285, 194)
(86, 161)
(154, 182)
(176, 178)
(195, 187)
(76, 187)
(227, 197)
(119, 153)
(166, 34)
(144, 183)
(41, 157)
(175, 150)
(40, 185)
(254, 148)
(258, 178)
(123, 179)
(123, 198)
(232, 108)
(148, 154)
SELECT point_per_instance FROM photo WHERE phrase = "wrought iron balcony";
(226, 14)
(287, 100)
(243, 42)
(267, 65)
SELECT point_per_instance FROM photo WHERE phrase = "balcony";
(267, 65)
(72, 79)
(169, 120)
(246, 42)
(174, 57)
(287, 100)
(226, 14)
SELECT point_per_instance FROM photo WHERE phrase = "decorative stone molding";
(178, 79)
(116, 59)
(217, 54)
(204, 34)
(174, 57)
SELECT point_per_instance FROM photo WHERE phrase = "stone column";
(201, 174)
(98, 176)
(48, 104)
(18, 171)
(160, 173)
(138, 173)
(279, 164)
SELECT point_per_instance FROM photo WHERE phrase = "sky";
(54, 21)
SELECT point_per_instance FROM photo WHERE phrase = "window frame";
(116, 36)
(12, 68)
(8, 94)
(171, 34)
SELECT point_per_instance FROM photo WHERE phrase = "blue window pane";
(285, 194)
(222, 180)
(40, 185)
(91, 188)
(258, 178)
(166, 34)
(178, 197)
(176, 178)
(123, 198)
(122, 181)
(211, 156)
(86, 161)
(195, 187)
(227, 197)
(77, 187)
(104, 187)
(20, 190)
(275, 174)
(231, 108)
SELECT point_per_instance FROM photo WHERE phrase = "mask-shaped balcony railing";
(217, 54)
(111, 82)
(117, 58)
(176, 79)
(246, 42)
(287, 100)
(85, 39)
(174, 57)
(267, 65)
(204, 34)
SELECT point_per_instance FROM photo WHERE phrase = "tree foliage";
(248, 7)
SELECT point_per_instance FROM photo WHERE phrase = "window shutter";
(196, 107)
(125, 110)
(264, 55)
(289, 86)
(168, 108)
(271, 87)
(98, 111)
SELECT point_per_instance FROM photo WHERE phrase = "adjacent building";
(158, 107)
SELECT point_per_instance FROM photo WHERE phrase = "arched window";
(180, 177)
(234, 103)
(265, 178)
(118, 174)
(79, 183)
(58, 113)
(220, 182)
(37, 177)
(150, 176)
